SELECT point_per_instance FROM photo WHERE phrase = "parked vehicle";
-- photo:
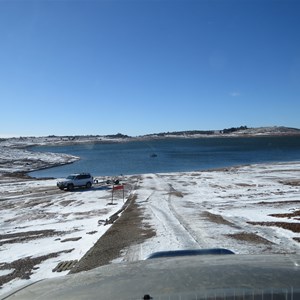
(76, 180)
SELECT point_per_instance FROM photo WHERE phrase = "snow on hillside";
(15, 155)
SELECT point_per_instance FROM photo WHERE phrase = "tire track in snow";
(171, 224)
(183, 222)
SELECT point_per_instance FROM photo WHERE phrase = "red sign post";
(115, 188)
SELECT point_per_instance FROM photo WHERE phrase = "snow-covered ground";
(205, 209)
(40, 221)
(218, 208)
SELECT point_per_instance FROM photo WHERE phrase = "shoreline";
(17, 158)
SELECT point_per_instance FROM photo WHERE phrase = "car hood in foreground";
(191, 277)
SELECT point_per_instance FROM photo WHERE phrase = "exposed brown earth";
(127, 230)
(216, 218)
(295, 227)
(294, 214)
(22, 268)
(249, 237)
(291, 182)
(26, 236)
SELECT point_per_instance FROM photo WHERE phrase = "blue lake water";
(173, 155)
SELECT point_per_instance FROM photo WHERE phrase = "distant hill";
(275, 130)
(242, 131)
(233, 131)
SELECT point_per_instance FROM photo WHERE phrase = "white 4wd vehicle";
(76, 180)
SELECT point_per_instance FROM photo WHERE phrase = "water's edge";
(171, 155)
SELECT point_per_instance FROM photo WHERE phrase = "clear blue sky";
(145, 66)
